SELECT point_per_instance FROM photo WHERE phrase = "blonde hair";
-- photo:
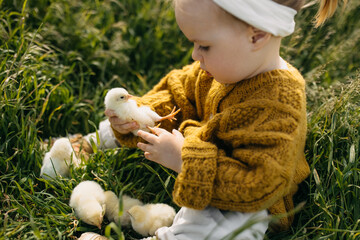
(327, 8)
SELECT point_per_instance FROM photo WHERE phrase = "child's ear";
(258, 38)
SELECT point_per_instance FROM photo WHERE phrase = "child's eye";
(204, 48)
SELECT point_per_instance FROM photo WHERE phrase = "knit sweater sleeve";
(245, 158)
(174, 90)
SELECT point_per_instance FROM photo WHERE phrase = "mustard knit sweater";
(244, 142)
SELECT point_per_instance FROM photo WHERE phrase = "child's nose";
(196, 55)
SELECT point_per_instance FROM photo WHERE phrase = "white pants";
(214, 224)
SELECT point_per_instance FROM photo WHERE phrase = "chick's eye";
(122, 97)
(204, 48)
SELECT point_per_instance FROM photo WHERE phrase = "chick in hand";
(57, 161)
(119, 101)
(88, 201)
(112, 207)
(148, 218)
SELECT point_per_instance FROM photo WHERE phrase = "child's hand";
(163, 147)
(119, 125)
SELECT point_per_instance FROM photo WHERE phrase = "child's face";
(221, 43)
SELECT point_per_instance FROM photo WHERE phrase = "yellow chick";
(57, 161)
(119, 101)
(106, 136)
(88, 201)
(148, 218)
(112, 208)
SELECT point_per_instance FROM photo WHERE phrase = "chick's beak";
(128, 96)
(99, 225)
(100, 221)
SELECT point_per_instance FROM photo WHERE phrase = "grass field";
(58, 58)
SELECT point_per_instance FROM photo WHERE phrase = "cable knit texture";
(244, 142)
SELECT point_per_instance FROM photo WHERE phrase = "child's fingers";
(130, 126)
(177, 133)
(147, 148)
(150, 138)
(116, 120)
(157, 131)
(148, 156)
(109, 113)
(125, 128)
(142, 146)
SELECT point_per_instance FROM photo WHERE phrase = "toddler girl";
(239, 147)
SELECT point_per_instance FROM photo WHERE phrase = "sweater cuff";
(194, 185)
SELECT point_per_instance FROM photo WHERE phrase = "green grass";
(57, 59)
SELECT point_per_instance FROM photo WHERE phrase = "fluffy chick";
(112, 207)
(148, 218)
(57, 161)
(106, 136)
(88, 201)
(118, 100)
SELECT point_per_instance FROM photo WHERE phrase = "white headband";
(265, 15)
